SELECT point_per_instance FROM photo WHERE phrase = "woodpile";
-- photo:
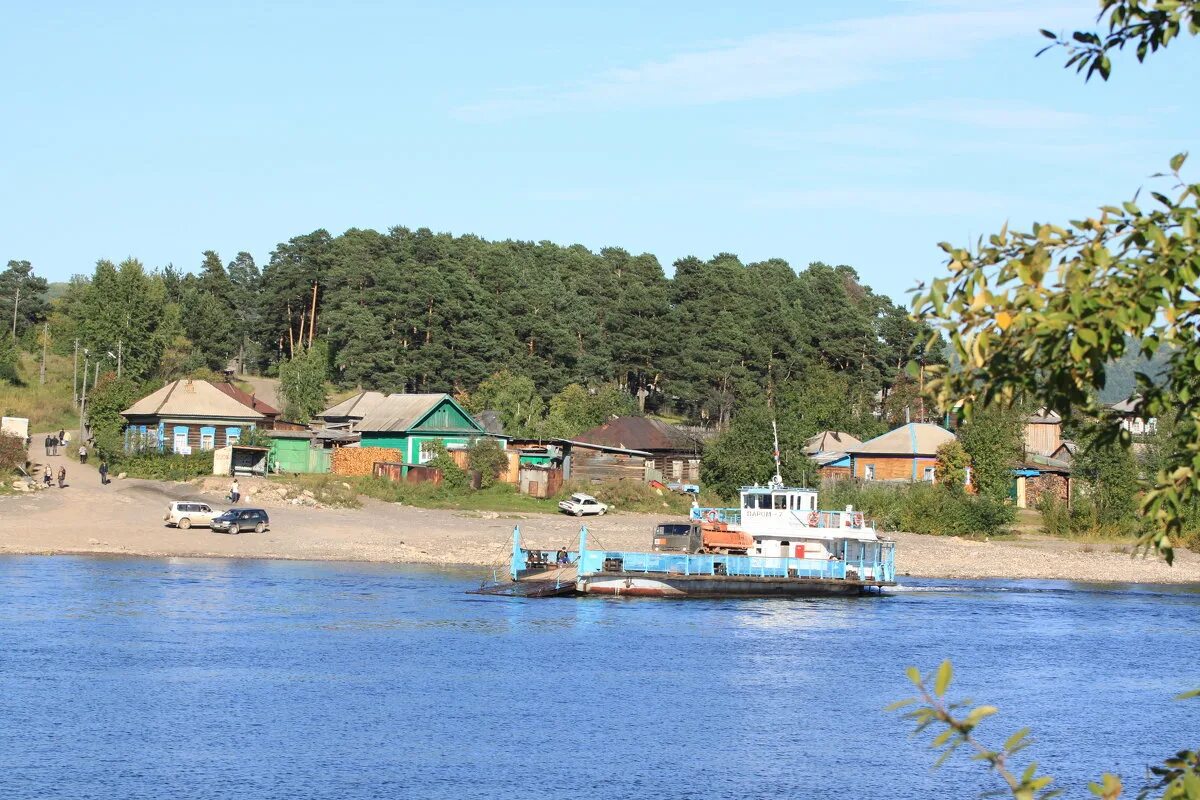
(360, 460)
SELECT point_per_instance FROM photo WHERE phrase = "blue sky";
(849, 133)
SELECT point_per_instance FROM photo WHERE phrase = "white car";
(186, 513)
(580, 504)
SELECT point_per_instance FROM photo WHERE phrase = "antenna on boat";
(777, 479)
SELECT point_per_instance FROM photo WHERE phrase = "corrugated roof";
(357, 406)
(915, 438)
(640, 433)
(399, 412)
(1044, 417)
(830, 442)
(190, 398)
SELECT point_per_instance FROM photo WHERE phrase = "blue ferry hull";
(643, 585)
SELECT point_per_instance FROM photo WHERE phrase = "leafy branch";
(1150, 24)
(932, 710)
(1178, 777)
(1038, 315)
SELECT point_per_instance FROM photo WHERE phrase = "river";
(132, 678)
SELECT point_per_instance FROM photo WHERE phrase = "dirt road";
(126, 518)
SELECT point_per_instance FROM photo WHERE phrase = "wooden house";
(411, 423)
(1043, 432)
(827, 450)
(908, 453)
(187, 416)
(672, 454)
(1132, 420)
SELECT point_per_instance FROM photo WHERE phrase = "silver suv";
(186, 513)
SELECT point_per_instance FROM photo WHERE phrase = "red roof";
(247, 400)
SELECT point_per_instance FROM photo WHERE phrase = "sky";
(850, 133)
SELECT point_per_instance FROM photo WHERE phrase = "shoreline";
(958, 572)
(125, 519)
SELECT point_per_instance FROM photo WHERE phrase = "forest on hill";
(413, 310)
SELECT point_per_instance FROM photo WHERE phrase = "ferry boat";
(777, 542)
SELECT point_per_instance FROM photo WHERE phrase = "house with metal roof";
(908, 453)
(672, 454)
(412, 423)
(187, 416)
(346, 414)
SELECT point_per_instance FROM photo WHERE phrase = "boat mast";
(777, 480)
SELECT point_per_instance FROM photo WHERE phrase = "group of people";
(60, 439)
(55, 441)
(48, 475)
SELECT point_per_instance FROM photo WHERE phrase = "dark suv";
(236, 520)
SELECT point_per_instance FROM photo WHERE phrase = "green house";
(293, 452)
(410, 423)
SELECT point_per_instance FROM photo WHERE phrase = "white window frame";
(868, 472)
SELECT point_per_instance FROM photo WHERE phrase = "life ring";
(711, 515)
(813, 520)
(858, 520)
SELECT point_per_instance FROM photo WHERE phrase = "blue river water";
(126, 678)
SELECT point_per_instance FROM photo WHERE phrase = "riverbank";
(125, 518)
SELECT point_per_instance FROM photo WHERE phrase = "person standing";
(46, 476)
(82, 454)
(235, 492)
(48, 443)
(103, 471)
(62, 477)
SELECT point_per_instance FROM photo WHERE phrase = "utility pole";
(96, 377)
(75, 377)
(312, 317)
(45, 338)
(119, 343)
(83, 395)
(16, 301)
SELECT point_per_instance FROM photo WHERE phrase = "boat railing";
(812, 519)
(878, 568)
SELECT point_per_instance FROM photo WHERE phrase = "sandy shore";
(125, 518)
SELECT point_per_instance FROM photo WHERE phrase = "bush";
(163, 466)
(12, 453)
(485, 457)
(921, 508)
(453, 476)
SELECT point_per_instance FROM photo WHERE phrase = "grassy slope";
(48, 407)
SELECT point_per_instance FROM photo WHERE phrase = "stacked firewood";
(358, 460)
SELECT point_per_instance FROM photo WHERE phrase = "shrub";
(12, 453)
(485, 457)
(952, 463)
(453, 476)
(163, 466)
(921, 508)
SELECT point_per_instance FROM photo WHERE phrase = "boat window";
(812, 502)
(780, 501)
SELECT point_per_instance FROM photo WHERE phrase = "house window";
(425, 452)
(677, 469)
(694, 469)
(869, 472)
(233, 435)
(929, 472)
(208, 440)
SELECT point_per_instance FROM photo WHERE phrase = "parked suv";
(236, 520)
(185, 513)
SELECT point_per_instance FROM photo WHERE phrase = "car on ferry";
(581, 505)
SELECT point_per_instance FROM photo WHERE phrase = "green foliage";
(576, 409)
(10, 357)
(302, 383)
(105, 402)
(1147, 24)
(952, 463)
(12, 453)
(514, 398)
(22, 298)
(1040, 315)
(454, 477)
(921, 508)
(1106, 480)
(956, 724)
(993, 439)
(162, 466)
(743, 455)
(487, 458)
